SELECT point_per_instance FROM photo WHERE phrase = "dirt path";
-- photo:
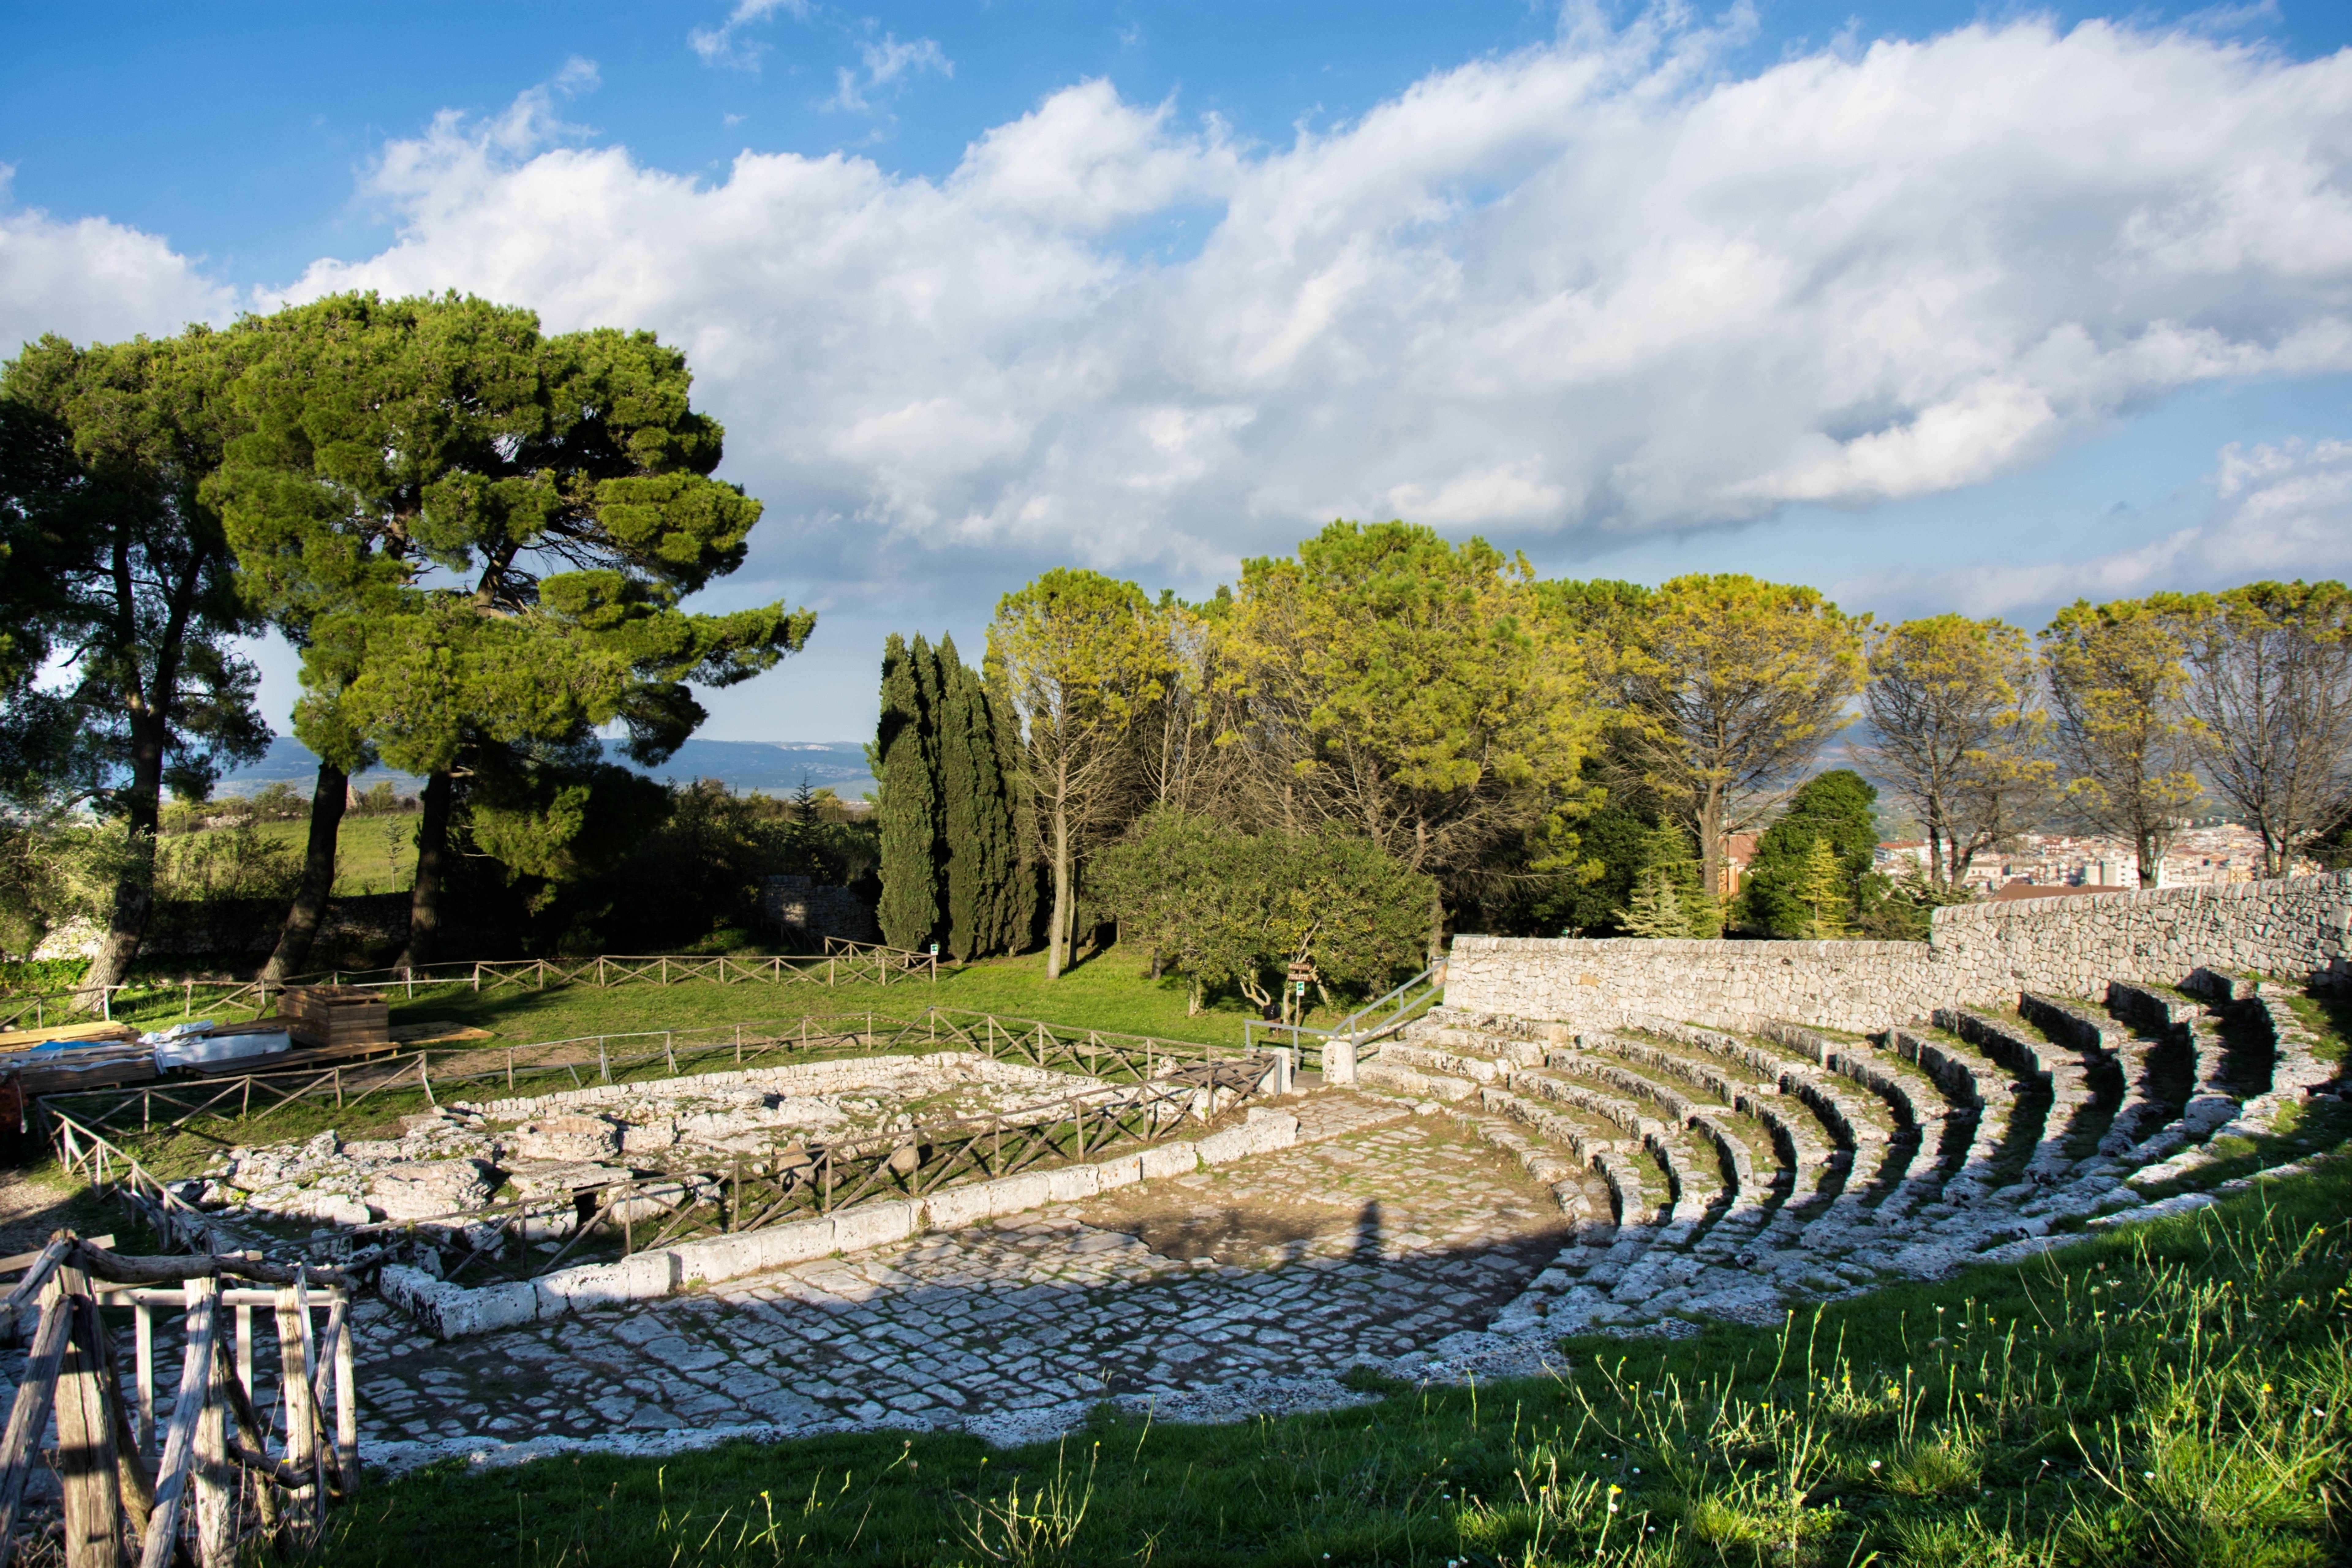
(29, 1210)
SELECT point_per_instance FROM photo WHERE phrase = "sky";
(1938, 307)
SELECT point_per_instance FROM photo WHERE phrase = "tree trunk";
(432, 850)
(2151, 865)
(1710, 841)
(1057, 938)
(328, 798)
(134, 893)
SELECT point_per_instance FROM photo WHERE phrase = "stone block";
(1257, 1136)
(1073, 1184)
(755, 1251)
(873, 1224)
(647, 1277)
(1162, 1160)
(954, 1208)
(450, 1312)
(1019, 1194)
(1124, 1171)
(490, 1309)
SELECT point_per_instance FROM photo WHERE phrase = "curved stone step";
(1723, 1122)
(1844, 1120)
(2075, 1109)
(1380, 1072)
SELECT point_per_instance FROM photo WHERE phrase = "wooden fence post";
(173, 1476)
(347, 1408)
(85, 1453)
(142, 1348)
(215, 1525)
(294, 1386)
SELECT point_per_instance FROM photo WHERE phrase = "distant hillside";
(774, 767)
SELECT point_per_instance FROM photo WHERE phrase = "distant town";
(2043, 865)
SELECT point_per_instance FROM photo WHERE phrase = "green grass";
(372, 854)
(1109, 991)
(2180, 1394)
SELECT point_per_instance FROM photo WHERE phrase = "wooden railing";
(841, 964)
(1153, 1085)
(801, 1180)
(178, 1490)
(165, 1105)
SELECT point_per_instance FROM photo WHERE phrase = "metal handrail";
(1347, 1029)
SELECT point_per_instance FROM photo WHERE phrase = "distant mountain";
(773, 767)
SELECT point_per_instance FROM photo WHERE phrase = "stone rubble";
(452, 1160)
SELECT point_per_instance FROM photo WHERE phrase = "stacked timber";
(336, 1015)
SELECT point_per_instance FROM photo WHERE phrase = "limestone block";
(564, 1138)
(491, 1307)
(755, 1251)
(1161, 1160)
(451, 1311)
(428, 1190)
(647, 1276)
(1073, 1184)
(954, 1208)
(1124, 1171)
(873, 1224)
(1016, 1194)
(1278, 1131)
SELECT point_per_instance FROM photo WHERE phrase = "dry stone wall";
(1976, 955)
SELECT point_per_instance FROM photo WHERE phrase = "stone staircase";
(1731, 1173)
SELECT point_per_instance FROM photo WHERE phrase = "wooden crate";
(336, 1015)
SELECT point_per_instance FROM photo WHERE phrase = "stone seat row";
(1722, 1171)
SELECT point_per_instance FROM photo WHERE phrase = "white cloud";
(884, 63)
(1598, 284)
(721, 46)
(90, 279)
(2271, 511)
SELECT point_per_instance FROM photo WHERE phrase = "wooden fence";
(203, 1482)
(841, 963)
(1152, 1085)
(167, 1105)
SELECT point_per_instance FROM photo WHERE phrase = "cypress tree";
(909, 907)
(1017, 907)
(975, 817)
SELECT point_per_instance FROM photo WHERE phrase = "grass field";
(1111, 991)
(2180, 1394)
(372, 854)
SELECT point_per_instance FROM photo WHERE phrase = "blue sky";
(1935, 306)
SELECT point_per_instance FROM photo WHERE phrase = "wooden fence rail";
(841, 963)
(1148, 1087)
(166, 1105)
(206, 1480)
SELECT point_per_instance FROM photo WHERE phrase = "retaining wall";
(1976, 955)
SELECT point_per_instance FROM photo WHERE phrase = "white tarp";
(189, 1046)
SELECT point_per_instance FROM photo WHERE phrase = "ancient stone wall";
(1976, 954)
(814, 910)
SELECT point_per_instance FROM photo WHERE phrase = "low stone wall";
(453, 1312)
(1976, 954)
